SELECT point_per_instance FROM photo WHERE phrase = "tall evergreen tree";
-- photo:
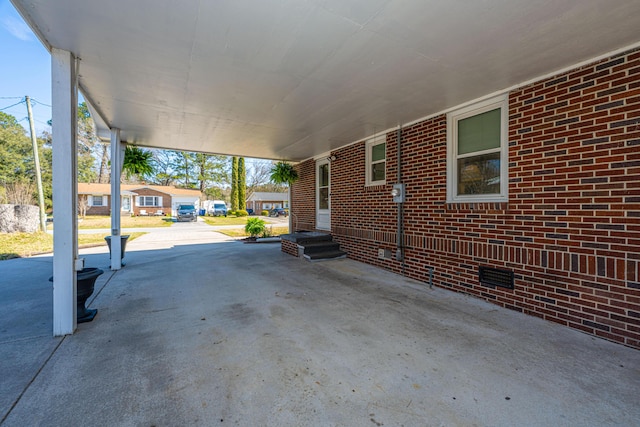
(242, 184)
(234, 183)
(184, 166)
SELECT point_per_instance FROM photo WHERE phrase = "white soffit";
(294, 78)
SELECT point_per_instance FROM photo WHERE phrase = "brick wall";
(303, 202)
(97, 210)
(289, 247)
(151, 210)
(570, 231)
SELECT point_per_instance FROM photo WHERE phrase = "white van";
(218, 208)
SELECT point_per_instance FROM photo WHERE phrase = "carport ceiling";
(295, 78)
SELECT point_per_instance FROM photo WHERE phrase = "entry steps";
(316, 246)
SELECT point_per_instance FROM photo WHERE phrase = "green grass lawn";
(239, 232)
(225, 220)
(20, 245)
(102, 221)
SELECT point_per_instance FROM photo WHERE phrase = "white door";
(323, 195)
(126, 204)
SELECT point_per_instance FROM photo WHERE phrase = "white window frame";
(96, 197)
(143, 200)
(369, 144)
(452, 150)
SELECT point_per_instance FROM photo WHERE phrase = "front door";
(126, 204)
(323, 195)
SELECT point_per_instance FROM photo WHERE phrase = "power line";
(13, 105)
(41, 103)
(11, 97)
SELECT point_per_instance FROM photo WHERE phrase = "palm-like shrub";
(137, 161)
(254, 227)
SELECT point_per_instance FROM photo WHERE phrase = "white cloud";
(17, 28)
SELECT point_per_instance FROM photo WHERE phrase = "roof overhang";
(292, 79)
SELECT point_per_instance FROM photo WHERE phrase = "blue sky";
(25, 70)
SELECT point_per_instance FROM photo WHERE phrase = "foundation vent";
(384, 253)
(495, 277)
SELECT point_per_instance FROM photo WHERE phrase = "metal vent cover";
(489, 276)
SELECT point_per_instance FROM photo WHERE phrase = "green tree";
(242, 184)
(234, 183)
(46, 168)
(184, 166)
(15, 150)
(91, 148)
(215, 193)
(17, 167)
(163, 165)
(210, 170)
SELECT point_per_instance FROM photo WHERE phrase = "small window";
(149, 201)
(477, 161)
(376, 158)
(97, 201)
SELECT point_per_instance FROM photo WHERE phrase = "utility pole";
(36, 160)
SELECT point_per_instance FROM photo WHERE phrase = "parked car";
(278, 212)
(187, 213)
(219, 209)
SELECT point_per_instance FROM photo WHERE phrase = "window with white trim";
(148, 200)
(477, 163)
(97, 201)
(376, 159)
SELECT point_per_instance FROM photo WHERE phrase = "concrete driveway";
(201, 330)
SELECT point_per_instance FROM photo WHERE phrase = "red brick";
(582, 261)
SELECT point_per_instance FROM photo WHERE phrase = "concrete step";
(315, 246)
(322, 246)
(327, 255)
(314, 239)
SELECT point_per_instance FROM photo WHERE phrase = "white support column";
(117, 157)
(65, 188)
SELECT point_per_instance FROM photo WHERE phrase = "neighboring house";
(529, 199)
(259, 201)
(137, 199)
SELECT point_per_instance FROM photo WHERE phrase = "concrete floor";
(199, 330)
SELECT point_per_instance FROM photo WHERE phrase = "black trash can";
(123, 245)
